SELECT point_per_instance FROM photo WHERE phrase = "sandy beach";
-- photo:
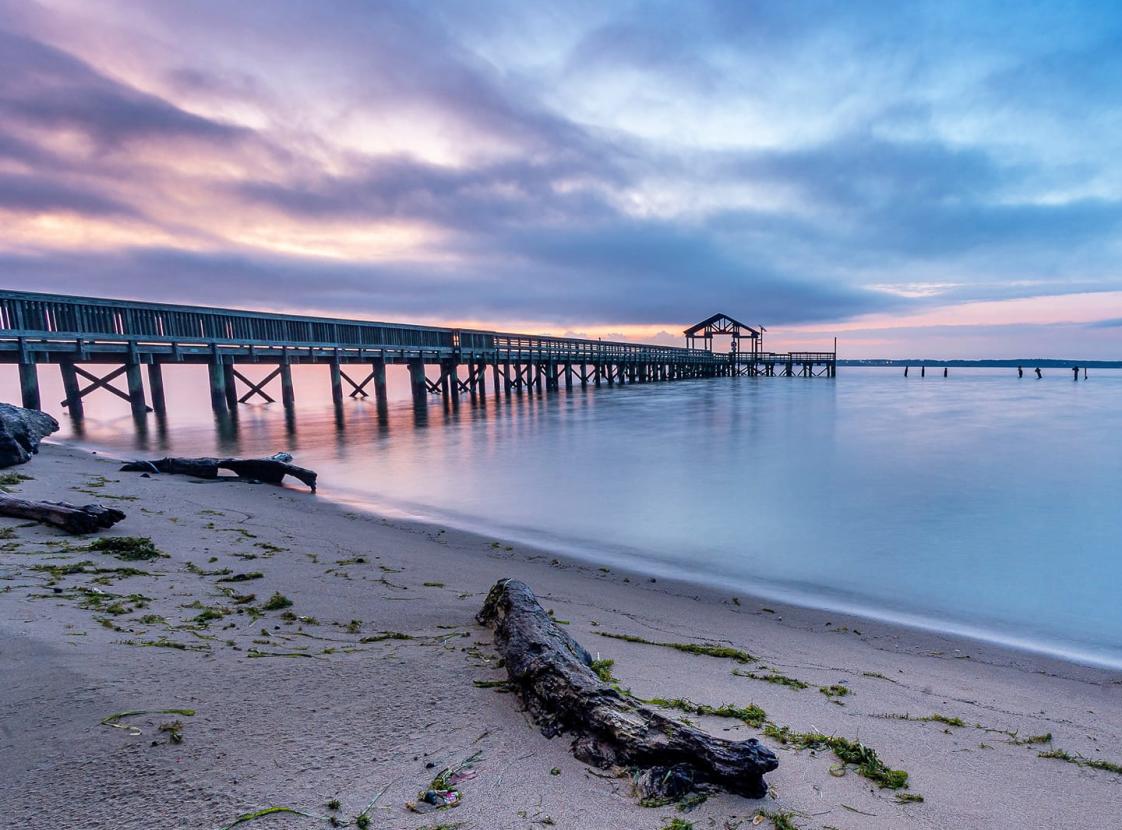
(331, 655)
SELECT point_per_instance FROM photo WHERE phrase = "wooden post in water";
(231, 381)
(288, 395)
(72, 388)
(136, 387)
(29, 384)
(156, 386)
(217, 384)
(381, 399)
(453, 381)
(336, 383)
(417, 381)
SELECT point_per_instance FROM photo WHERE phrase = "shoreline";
(1006, 648)
(797, 601)
(352, 717)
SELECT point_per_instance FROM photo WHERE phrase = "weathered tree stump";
(72, 518)
(551, 672)
(271, 470)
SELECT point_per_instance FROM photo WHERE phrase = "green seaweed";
(386, 635)
(209, 614)
(9, 480)
(781, 820)
(678, 824)
(174, 730)
(864, 758)
(723, 652)
(276, 602)
(773, 677)
(834, 690)
(603, 670)
(255, 652)
(114, 720)
(752, 714)
(909, 798)
(163, 642)
(128, 548)
(1079, 760)
(266, 811)
(491, 684)
(241, 577)
(947, 720)
(56, 572)
(1046, 738)
(690, 801)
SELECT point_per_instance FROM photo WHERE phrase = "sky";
(916, 179)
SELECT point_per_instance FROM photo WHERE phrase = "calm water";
(980, 503)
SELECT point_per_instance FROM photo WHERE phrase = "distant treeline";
(1028, 362)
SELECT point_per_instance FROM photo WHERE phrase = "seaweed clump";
(276, 602)
(773, 677)
(864, 758)
(1079, 760)
(127, 548)
(751, 714)
(724, 652)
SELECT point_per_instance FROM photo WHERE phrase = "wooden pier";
(78, 332)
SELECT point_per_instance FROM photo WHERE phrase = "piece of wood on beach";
(551, 673)
(271, 470)
(72, 518)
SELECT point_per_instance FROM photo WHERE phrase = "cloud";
(576, 164)
(32, 194)
(44, 87)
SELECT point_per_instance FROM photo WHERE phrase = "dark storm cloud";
(44, 87)
(33, 194)
(553, 291)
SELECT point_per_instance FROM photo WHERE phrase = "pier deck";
(69, 331)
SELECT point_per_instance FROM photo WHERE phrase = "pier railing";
(53, 317)
(26, 314)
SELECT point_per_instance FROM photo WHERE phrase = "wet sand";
(293, 708)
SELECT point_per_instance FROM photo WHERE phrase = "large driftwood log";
(271, 470)
(21, 430)
(552, 674)
(72, 518)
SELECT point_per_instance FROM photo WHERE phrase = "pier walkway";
(73, 332)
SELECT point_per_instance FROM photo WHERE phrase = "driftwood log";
(72, 518)
(270, 470)
(551, 672)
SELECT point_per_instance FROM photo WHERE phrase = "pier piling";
(417, 383)
(288, 395)
(156, 387)
(73, 390)
(336, 384)
(230, 380)
(378, 369)
(29, 385)
(217, 384)
(136, 388)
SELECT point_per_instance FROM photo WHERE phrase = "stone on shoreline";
(21, 430)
